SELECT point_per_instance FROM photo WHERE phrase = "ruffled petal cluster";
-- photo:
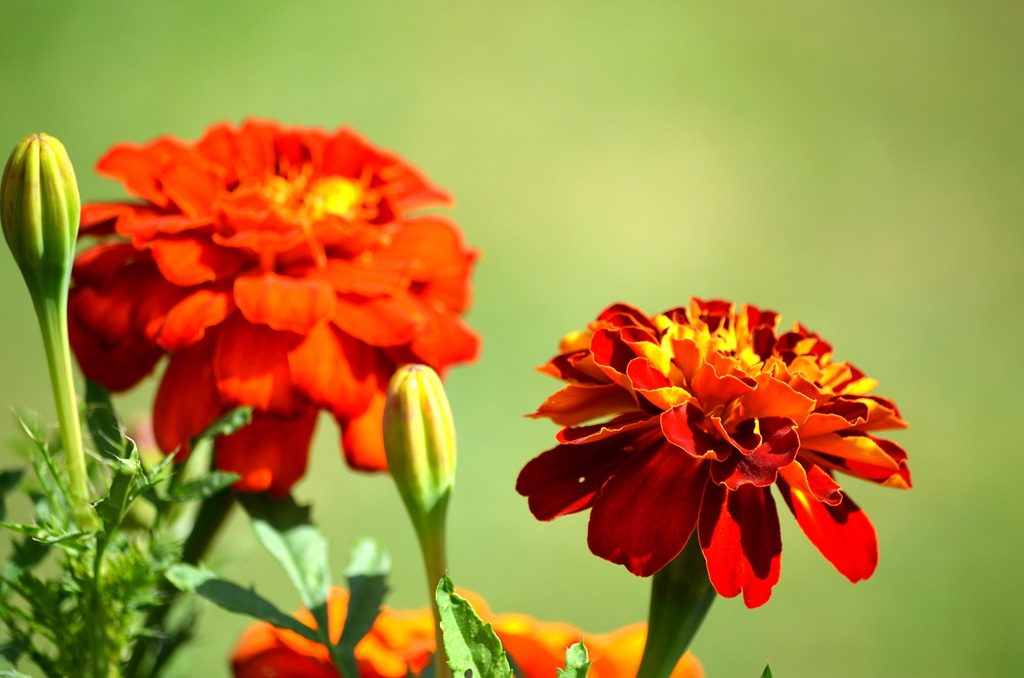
(699, 411)
(279, 268)
(402, 641)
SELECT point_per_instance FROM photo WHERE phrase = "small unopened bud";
(40, 208)
(419, 439)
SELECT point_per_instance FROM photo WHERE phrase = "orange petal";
(251, 366)
(334, 370)
(270, 453)
(579, 403)
(188, 261)
(380, 321)
(187, 321)
(282, 303)
(362, 437)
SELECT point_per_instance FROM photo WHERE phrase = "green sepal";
(234, 598)
(577, 662)
(767, 673)
(474, 651)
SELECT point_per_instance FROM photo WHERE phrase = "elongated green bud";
(40, 208)
(40, 212)
(419, 441)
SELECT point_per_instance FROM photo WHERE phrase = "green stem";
(149, 653)
(432, 534)
(53, 321)
(681, 594)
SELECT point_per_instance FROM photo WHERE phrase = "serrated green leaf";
(767, 673)
(9, 480)
(285, 530)
(113, 507)
(101, 420)
(234, 598)
(577, 662)
(474, 650)
(225, 424)
(367, 574)
(204, 487)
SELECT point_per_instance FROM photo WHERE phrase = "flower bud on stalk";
(419, 441)
(39, 209)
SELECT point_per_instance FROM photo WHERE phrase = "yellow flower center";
(333, 195)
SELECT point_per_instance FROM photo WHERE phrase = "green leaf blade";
(234, 598)
(474, 651)
(577, 662)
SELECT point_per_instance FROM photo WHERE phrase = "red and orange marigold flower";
(401, 642)
(708, 409)
(278, 268)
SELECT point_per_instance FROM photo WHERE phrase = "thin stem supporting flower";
(681, 594)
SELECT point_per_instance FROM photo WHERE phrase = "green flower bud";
(419, 440)
(40, 209)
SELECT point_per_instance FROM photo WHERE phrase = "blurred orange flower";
(709, 408)
(279, 268)
(402, 641)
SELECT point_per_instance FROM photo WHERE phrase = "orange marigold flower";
(402, 641)
(709, 408)
(279, 268)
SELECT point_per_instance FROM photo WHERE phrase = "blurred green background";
(856, 166)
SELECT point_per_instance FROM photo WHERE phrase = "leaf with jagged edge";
(234, 598)
(474, 650)
(367, 574)
(577, 662)
(284, 528)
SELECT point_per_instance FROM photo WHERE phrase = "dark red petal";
(109, 348)
(116, 367)
(776, 447)
(634, 422)
(187, 399)
(270, 453)
(682, 427)
(362, 437)
(251, 366)
(646, 512)
(282, 303)
(842, 533)
(566, 478)
(98, 265)
(739, 534)
(334, 370)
